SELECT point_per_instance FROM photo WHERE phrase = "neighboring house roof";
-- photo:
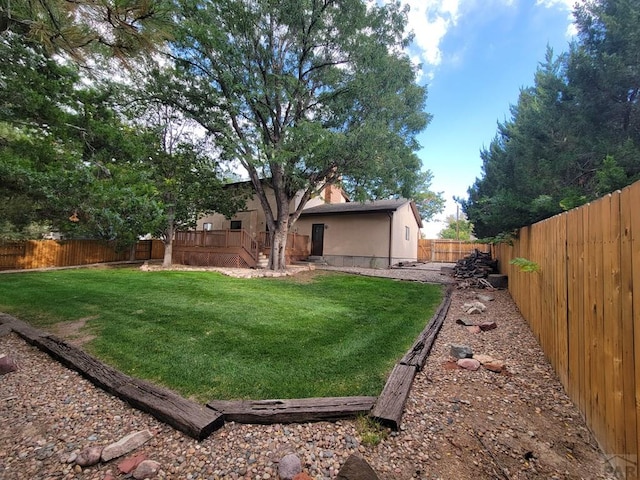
(376, 206)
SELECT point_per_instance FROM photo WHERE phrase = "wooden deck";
(231, 248)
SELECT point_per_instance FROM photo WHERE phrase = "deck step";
(263, 260)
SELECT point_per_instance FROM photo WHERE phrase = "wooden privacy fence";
(65, 253)
(443, 250)
(583, 305)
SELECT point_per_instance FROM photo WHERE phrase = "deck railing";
(295, 241)
(217, 238)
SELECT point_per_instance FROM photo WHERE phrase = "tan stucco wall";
(361, 235)
(253, 218)
(364, 237)
(405, 250)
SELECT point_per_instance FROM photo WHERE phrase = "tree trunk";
(277, 259)
(167, 261)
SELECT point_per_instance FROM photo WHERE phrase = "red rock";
(7, 364)
(494, 366)
(302, 476)
(129, 464)
(469, 364)
(485, 326)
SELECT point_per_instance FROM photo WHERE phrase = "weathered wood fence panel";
(65, 253)
(443, 250)
(584, 308)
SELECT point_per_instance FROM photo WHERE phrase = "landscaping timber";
(417, 355)
(184, 415)
(390, 404)
(292, 411)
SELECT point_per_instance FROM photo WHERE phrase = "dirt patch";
(74, 332)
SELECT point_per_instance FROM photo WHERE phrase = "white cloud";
(567, 5)
(430, 20)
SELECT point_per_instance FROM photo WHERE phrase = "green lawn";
(214, 337)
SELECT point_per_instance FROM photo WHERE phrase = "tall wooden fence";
(443, 250)
(583, 305)
(57, 253)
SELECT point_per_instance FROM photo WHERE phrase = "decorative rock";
(125, 445)
(475, 307)
(483, 358)
(355, 468)
(461, 351)
(7, 364)
(289, 466)
(146, 469)
(302, 476)
(474, 329)
(129, 464)
(469, 364)
(486, 326)
(89, 456)
(485, 298)
(464, 322)
(496, 366)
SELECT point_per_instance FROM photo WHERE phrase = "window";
(407, 233)
(236, 224)
(207, 227)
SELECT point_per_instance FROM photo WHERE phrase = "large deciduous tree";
(303, 93)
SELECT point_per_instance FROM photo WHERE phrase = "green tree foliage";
(62, 153)
(187, 180)
(302, 93)
(460, 229)
(428, 202)
(574, 135)
(121, 28)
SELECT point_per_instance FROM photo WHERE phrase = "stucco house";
(374, 234)
(333, 229)
(252, 219)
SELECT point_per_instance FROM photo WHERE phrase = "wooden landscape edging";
(390, 404)
(200, 421)
(184, 415)
(417, 355)
(292, 411)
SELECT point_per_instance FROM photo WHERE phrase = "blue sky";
(475, 56)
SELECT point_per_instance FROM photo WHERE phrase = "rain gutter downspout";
(390, 237)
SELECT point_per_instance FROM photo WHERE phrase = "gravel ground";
(457, 424)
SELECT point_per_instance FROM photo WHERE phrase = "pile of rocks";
(463, 355)
(139, 467)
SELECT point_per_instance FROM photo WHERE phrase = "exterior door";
(317, 239)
